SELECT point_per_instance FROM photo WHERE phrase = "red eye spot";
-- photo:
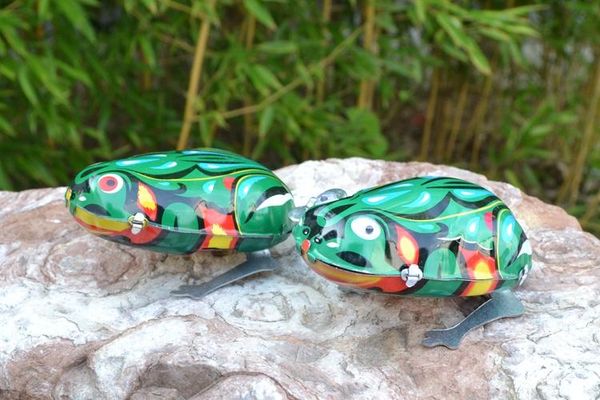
(110, 183)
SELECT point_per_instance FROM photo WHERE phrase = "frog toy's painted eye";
(366, 228)
(110, 183)
(305, 231)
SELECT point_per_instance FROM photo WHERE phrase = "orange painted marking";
(146, 201)
(407, 246)
(482, 272)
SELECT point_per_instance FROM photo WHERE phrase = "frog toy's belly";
(421, 237)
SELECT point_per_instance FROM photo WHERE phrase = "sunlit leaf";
(76, 14)
(265, 121)
(278, 47)
(26, 86)
(260, 12)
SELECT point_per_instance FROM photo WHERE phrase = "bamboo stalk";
(444, 126)
(176, 42)
(431, 105)
(366, 85)
(188, 116)
(481, 110)
(458, 115)
(248, 118)
(326, 18)
(570, 190)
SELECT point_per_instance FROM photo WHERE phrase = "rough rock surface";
(84, 318)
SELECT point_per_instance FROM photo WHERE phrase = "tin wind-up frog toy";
(186, 201)
(428, 236)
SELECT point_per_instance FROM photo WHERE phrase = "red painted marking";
(228, 182)
(489, 220)
(213, 217)
(305, 245)
(392, 284)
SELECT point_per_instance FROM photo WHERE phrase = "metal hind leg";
(256, 262)
(502, 304)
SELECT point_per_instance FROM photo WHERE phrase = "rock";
(84, 318)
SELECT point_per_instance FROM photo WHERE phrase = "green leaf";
(5, 183)
(453, 28)
(260, 12)
(6, 127)
(147, 51)
(79, 75)
(478, 59)
(266, 76)
(522, 30)
(512, 178)
(420, 7)
(305, 74)
(43, 9)
(151, 5)
(265, 121)
(8, 71)
(13, 39)
(76, 14)
(26, 87)
(495, 34)
(398, 68)
(278, 47)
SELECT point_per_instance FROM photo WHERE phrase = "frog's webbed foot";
(502, 304)
(256, 262)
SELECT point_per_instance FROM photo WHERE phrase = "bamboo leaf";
(76, 14)
(5, 183)
(147, 50)
(495, 34)
(478, 59)
(266, 76)
(26, 86)
(14, 41)
(260, 12)
(278, 47)
(151, 5)
(420, 8)
(6, 127)
(78, 74)
(266, 121)
(453, 28)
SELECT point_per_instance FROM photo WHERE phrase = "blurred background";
(510, 89)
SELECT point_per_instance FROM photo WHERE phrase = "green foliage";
(88, 80)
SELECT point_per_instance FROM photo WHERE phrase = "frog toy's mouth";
(353, 279)
(337, 274)
(94, 218)
(99, 224)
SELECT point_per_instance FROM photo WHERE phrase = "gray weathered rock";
(84, 318)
